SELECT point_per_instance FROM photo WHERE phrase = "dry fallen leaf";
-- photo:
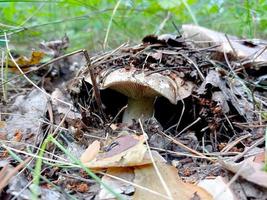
(2, 124)
(61, 107)
(91, 152)
(7, 172)
(2, 136)
(147, 177)
(218, 188)
(24, 62)
(127, 150)
(238, 49)
(78, 187)
(116, 185)
(250, 169)
(27, 111)
(18, 136)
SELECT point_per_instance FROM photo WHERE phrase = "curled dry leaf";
(55, 47)
(124, 151)
(24, 62)
(218, 188)
(250, 169)
(63, 108)
(237, 96)
(238, 49)
(147, 177)
(27, 111)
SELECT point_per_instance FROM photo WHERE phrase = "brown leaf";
(91, 152)
(147, 177)
(2, 136)
(78, 187)
(124, 151)
(2, 124)
(248, 169)
(116, 185)
(18, 136)
(24, 62)
(119, 145)
(7, 172)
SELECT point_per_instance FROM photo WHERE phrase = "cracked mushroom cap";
(135, 84)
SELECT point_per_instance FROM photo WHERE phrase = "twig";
(175, 141)
(187, 127)
(154, 164)
(116, 116)
(104, 56)
(177, 29)
(258, 142)
(135, 185)
(29, 80)
(233, 179)
(162, 24)
(232, 144)
(195, 65)
(64, 161)
(45, 64)
(9, 174)
(3, 76)
(42, 177)
(180, 153)
(94, 83)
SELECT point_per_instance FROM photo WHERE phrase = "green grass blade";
(88, 171)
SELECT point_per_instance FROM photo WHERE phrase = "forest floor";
(67, 129)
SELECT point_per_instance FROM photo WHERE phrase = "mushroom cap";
(136, 84)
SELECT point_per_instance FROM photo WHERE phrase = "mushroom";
(142, 90)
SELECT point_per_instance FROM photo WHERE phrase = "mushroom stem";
(138, 108)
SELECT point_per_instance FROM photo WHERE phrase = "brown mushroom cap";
(137, 85)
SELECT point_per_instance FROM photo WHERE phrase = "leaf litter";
(202, 142)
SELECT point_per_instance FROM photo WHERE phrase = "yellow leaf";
(2, 124)
(24, 62)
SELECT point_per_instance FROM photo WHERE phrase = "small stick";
(93, 79)
(163, 182)
(232, 144)
(194, 64)
(175, 141)
(258, 142)
(10, 174)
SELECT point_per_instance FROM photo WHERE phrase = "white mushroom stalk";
(142, 90)
(138, 108)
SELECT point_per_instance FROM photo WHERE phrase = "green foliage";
(30, 21)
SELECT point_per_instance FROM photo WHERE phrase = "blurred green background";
(89, 23)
